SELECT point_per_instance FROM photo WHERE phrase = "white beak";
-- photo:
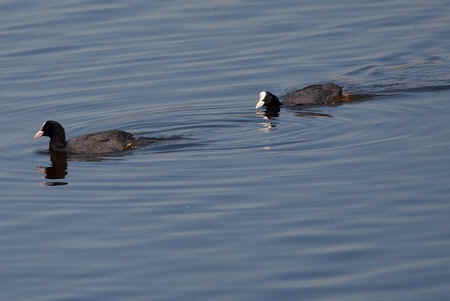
(38, 134)
(259, 104)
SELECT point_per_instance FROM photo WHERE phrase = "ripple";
(343, 202)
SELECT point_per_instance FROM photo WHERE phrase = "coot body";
(104, 142)
(321, 94)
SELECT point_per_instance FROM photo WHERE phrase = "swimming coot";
(96, 143)
(321, 94)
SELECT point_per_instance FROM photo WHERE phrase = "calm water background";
(354, 206)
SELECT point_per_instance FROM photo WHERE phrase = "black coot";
(321, 94)
(105, 142)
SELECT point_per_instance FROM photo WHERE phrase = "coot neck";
(58, 139)
(57, 144)
(275, 102)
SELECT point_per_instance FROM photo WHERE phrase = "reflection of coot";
(111, 141)
(312, 95)
(57, 171)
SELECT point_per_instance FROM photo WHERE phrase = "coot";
(321, 94)
(96, 143)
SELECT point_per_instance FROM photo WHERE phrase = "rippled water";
(345, 202)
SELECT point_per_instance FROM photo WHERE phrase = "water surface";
(342, 202)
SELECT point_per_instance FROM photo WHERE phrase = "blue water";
(346, 202)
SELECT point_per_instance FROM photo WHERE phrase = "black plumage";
(320, 94)
(104, 142)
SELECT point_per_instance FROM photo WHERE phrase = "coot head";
(267, 99)
(55, 132)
